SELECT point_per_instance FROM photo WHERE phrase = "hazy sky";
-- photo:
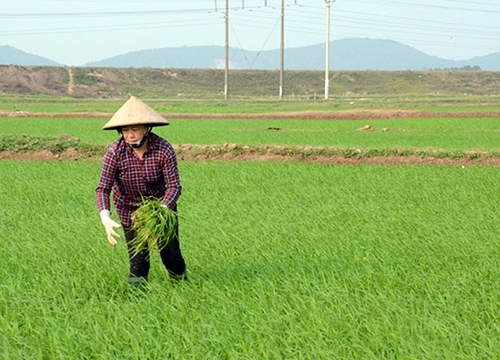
(75, 32)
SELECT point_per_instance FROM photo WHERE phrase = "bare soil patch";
(297, 115)
(216, 153)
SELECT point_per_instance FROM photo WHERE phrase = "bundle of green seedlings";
(155, 226)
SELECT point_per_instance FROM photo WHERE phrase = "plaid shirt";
(131, 178)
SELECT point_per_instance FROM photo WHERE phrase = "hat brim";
(135, 112)
(117, 127)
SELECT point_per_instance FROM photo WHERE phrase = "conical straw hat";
(134, 112)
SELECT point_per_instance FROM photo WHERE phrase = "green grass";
(440, 133)
(285, 261)
(52, 104)
(436, 102)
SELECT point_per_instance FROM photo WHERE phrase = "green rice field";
(441, 133)
(286, 260)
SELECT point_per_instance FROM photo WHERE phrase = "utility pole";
(226, 73)
(282, 47)
(327, 60)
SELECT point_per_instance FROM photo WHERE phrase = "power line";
(301, 19)
(110, 28)
(434, 6)
(110, 13)
(355, 15)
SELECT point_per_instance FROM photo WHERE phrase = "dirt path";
(71, 83)
(193, 154)
(296, 115)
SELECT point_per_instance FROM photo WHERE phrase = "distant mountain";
(487, 62)
(345, 54)
(182, 57)
(11, 56)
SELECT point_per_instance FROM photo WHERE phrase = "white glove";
(110, 226)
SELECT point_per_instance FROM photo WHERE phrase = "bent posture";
(139, 164)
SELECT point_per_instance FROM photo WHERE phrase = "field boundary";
(295, 115)
(235, 152)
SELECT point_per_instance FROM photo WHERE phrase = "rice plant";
(286, 261)
(155, 226)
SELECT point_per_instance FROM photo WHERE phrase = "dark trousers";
(170, 254)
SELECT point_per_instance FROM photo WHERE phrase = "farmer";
(139, 164)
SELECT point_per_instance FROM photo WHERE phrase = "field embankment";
(25, 147)
(83, 82)
(296, 115)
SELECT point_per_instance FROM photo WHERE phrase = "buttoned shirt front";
(130, 178)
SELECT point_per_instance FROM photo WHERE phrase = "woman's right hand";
(109, 226)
